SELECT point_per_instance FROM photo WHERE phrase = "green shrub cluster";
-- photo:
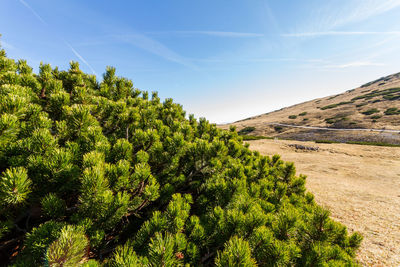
(392, 111)
(97, 173)
(375, 117)
(388, 94)
(292, 117)
(246, 130)
(336, 119)
(336, 105)
(381, 80)
(370, 111)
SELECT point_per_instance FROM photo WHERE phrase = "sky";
(225, 60)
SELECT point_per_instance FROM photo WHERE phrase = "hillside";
(375, 105)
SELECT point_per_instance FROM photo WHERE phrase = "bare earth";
(359, 184)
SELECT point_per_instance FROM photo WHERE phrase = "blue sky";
(224, 60)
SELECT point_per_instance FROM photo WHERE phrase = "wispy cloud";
(212, 33)
(152, 46)
(33, 11)
(81, 58)
(143, 42)
(6, 45)
(364, 9)
(354, 64)
(334, 33)
(65, 42)
(330, 16)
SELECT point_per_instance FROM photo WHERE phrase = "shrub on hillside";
(392, 111)
(370, 111)
(292, 117)
(100, 170)
(246, 130)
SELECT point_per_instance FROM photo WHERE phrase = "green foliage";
(370, 111)
(303, 113)
(336, 105)
(375, 117)
(237, 252)
(69, 249)
(392, 111)
(53, 206)
(102, 169)
(246, 130)
(360, 105)
(14, 187)
(37, 242)
(388, 94)
(292, 117)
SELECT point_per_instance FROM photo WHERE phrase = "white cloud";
(81, 58)
(332, 15)
(213, 33)
(6, 45)
(65, 42)
(365, 9)
(33, 11)
(154, 47)
(355, 64)
(328, 33)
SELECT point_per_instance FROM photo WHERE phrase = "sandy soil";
(360, 185)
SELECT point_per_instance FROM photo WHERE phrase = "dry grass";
(360, 185)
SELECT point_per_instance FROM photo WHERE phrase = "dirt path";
(360, 185)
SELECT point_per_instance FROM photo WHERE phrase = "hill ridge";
(373, 105)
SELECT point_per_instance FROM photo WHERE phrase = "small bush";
(392, 111)
(370, 111)
(330, 120)
(246, 130)
(375, 117)
(336, 105)
(391, 93)
(278, 128)
(292, 117)
(303, 113)
(391, 97)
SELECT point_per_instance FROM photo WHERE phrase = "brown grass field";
(359, 184)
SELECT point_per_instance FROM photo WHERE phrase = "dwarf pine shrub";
(99, 173)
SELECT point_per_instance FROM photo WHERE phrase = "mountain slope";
(375, 105)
